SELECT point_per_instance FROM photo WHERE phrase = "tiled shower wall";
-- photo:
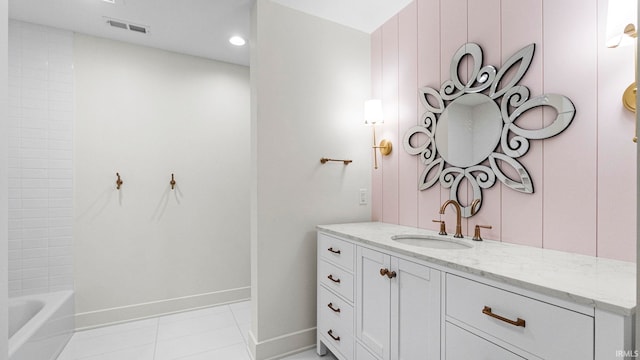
(41, 112)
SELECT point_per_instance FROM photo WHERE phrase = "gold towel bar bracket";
(172, 182)
(325, 160)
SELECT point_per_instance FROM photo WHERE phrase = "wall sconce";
(622, 31)
(373, 116)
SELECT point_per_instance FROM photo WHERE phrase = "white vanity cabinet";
(400, 304)
(335, 311)
(397, 307)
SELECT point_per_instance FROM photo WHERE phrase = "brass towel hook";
(119, 181)
(172, 182)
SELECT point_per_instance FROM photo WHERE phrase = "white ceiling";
(194, 27)
(363, 15)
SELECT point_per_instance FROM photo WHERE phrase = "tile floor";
(216, 333)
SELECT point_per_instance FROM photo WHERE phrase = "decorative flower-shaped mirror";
(469, 131)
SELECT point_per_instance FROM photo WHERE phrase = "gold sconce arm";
(385, 148)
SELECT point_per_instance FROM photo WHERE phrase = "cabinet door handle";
(518, 322)
(330, 277)
(390, 274)
(334, 251)
(330, 305)
(336, 338)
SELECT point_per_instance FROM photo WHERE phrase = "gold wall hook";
(119, 181)
(172, 182)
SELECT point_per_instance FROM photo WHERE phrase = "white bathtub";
(40, 325)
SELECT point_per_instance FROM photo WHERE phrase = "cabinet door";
(415, 312)
(373, 301)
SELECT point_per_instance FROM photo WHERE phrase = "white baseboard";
(99, 318)
(280, 346)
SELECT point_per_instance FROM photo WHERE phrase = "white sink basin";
(431, 242)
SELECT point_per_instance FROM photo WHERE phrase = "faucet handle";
(476, 232)
(443, 230)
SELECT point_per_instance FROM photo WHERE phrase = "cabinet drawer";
(330, 306)
(335, 337)
(336, 251)
(463, 345)
(545, 326)
(336, 279)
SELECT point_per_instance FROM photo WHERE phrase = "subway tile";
(14, 254)
(28, 154)
(59, 135)
(60, 288)
(14, 204)
(35, 193)
(60, 124)
(33, 134)
(15, 235)
(29, 143)
(30, 123)
(60, 193)
(59, 75)
(15, 214)
(34, 73)
(15, 285)
(34, 174)
(35, 203)
(15, 224)
(34, 253)
(34, 243)
(15, 275)
(15, 265)
(14, 293)
(34, 233)
(60, 184)
(35, 263)
(35, 273)
(35, 84)
(35, 223)
(15, 245)
(34, 291)
(34, 183)
(33, 164)
(27, 93)
(33, 213)
(36, 283)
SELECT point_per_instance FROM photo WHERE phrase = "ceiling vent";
(125, 25)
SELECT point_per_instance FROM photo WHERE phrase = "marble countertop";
(603, 283)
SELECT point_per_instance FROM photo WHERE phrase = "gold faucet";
(455, 204)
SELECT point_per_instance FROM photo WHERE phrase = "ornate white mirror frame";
(469, 131)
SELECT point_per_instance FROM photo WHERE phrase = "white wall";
(146, 249)
(4, 46)
(309, 79)
(40, 159)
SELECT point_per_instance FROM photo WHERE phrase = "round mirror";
(468, 130)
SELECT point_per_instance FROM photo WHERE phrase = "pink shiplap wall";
(584, 179)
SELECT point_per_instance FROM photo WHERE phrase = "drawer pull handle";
(390, 274)
(330, 277)
(330, 305)
(334, 251)
(336, 338)
(487, 311)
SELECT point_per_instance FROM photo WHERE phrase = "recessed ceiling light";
(110, 1)
(237, 40)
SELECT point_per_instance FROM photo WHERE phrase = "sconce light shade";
(621, 22)
(373, 112)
